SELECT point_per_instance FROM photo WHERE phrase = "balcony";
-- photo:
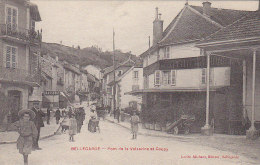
(20, 34)
(19, 76)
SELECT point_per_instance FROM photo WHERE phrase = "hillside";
(91, 55)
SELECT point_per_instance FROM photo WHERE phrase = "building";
(108, 79)
(131, 80)
(240, 41)
(94, 70)
(19, 50)
(175, 70)
(71, 80)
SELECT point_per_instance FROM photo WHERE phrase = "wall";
(193, 78)
(126, 86)
(181, 51)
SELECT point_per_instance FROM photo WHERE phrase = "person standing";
(134, 124)
(49, 114)
(70, 112)
(72, 127)
(27, 132)
(57, 115)
(38, 123)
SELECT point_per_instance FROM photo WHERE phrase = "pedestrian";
(38, 123)
(80, 117)
(72, 127)
(70, 112)
(49, 114)
(27, 132)
(117, 114)
(134, 124)
(57, 115)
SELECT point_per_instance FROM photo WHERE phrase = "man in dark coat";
(49, 114)
(57, 115)
(38, 123)
(80, 117)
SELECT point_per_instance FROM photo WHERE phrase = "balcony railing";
(18, 76)
(20, 33)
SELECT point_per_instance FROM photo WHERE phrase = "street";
(114, 146)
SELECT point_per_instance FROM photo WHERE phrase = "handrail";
(21, 33)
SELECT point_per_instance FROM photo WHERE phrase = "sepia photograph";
(129, 82)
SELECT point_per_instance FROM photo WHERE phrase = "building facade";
(19, 47)
(175, 70)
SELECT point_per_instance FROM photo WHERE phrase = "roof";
(128, 62)
(111, 82)
(34, 12)
(71, 68)
(190, 25)
(246, 27)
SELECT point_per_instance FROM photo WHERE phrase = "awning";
(175, 89)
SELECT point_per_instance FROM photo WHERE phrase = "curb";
(149, 134)
(41, 138)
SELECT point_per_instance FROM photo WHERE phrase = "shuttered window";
(11, 57)
(173, 77)
(157, 77)
(11, 18)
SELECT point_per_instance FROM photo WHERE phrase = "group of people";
(31, 121)
(74, 122)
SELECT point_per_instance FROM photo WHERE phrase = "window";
(11, 18)
(157, 77)
(11, 57)
(135, 75)
(173, 76)
(167, 52)
(166, 77)
(203, 76)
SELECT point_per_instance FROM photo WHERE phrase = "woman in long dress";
(27, 133)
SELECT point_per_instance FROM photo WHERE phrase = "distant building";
(94, 70)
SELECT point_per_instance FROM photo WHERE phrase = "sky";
(86, 23)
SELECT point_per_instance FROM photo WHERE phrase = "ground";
(57, 150)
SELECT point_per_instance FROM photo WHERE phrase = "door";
(15, 97)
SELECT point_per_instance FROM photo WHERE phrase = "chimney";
(206, 8)
(157, 27)
(258, 5)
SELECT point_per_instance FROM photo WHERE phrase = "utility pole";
(114, 85)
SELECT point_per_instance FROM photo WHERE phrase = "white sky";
(88, 23)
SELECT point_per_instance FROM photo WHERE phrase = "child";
(27, 131)
(72, 127)
(134, 124)
(65, 125)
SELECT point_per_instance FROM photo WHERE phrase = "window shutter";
(173, 77)
(8, 18)
(14, 51)
(157, 78)
(8, 57)
(14, 20)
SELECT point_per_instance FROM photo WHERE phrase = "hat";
(23, 111)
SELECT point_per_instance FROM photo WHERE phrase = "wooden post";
(253, 91)
(244, 89)
(252, 132)
(206, 130)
